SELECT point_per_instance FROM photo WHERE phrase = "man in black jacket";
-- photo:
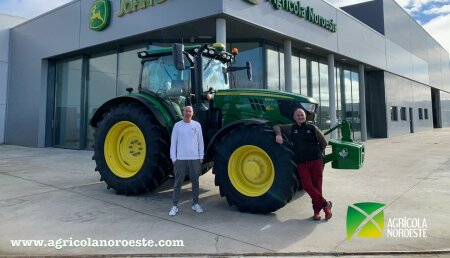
(308, 146)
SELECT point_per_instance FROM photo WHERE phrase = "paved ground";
(53, 194)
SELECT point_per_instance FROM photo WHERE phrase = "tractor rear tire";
(131, 150)
(253, 172)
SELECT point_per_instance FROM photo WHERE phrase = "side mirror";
(178, 56)
(249, 71)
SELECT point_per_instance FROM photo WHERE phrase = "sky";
(433, 15)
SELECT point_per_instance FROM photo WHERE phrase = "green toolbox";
(347, 155)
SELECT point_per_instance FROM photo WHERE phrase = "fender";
(224, 130)
(136, 99)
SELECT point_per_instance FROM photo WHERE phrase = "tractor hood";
(274, 106)
(266, 93)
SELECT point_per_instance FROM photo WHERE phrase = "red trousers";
(310, 174)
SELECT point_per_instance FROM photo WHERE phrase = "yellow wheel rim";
(125, 149)
(251, 170)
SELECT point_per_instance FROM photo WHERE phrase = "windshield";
(161, 76)
(214, 74)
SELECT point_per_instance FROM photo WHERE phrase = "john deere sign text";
(130, 6)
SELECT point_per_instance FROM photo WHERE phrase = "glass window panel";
(129, 69)
(339, 115)
(248, 52)
(394, 113)
(315, 79)
(338, 95)
(282, 80)
(315, 86)
(295, 74)
(101, 85)
(347, 96)
(356, 116)
(403, 113)
(273, 65)
(303, 77)
(67, 104)
(420, 113)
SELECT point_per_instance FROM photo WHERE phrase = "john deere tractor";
(253, 172)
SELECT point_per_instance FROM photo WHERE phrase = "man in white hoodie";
(186, 152)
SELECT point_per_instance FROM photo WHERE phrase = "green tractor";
(253, 172)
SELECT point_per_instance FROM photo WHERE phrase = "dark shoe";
(327, 209)
(316, 215)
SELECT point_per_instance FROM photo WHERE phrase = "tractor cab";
(173, 78)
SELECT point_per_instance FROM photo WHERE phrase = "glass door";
(66, 129)
(102, 86)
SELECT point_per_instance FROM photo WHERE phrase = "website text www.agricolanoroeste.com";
(89, 242)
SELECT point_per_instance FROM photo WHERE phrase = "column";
(362, 103)
(221, 31)
(288, 65)
(332, 93)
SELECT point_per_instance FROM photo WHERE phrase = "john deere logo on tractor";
(100, 15)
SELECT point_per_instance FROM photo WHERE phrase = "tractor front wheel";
(131, 150)
(253, 172)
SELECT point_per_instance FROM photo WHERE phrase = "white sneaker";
(197, 208)
(173, 211)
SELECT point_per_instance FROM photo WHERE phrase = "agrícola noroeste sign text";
(297, 9)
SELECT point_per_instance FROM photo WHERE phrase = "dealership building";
(370, 63)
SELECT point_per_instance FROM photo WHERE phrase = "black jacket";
(308, 141)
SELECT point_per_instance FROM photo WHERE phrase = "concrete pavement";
(51, 194)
